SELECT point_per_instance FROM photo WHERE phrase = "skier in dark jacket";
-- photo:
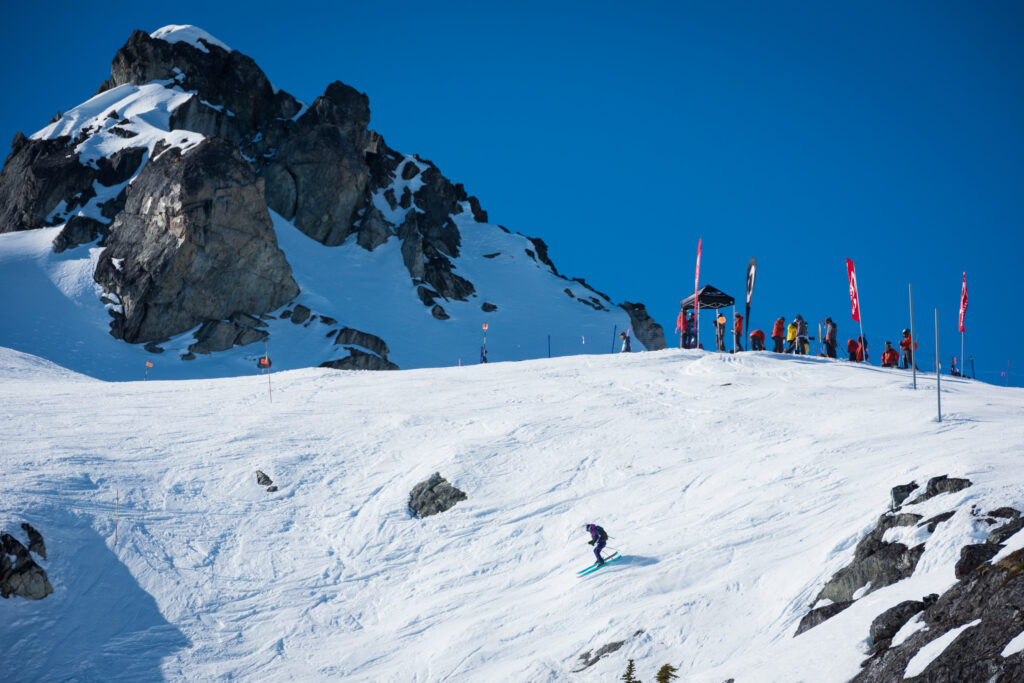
(598, 538)
(831, 336)
(626, 346)
(803, 343)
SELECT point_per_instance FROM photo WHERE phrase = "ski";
(594, 566)
(590, 570)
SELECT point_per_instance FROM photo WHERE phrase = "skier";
(737, 331)
(831, 336)
(863, 347)
(890, 357)
(720, 332)
(691, 326)
(909, 346)
(626, 347)
(779, 334)
(598, 538)
(757, 340)
(803, 343)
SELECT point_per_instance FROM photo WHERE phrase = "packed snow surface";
(733, 486)
(186, 33)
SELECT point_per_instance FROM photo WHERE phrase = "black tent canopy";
(710, 297)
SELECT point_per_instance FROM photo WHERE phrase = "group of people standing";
(794, 338)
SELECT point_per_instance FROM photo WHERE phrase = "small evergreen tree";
(666, 673)
(628, 676)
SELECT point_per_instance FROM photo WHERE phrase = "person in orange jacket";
(909, 346)
(890, 357)
(757, 340)
(779, 334)
(855, 351)
(737, 331)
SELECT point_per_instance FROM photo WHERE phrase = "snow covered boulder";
(433, 496)
(19, 573)
(195, 243)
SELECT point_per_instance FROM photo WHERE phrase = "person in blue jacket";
(598, 538)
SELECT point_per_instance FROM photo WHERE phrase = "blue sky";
(801, 134)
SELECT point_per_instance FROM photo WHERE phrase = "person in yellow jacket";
(791, 338)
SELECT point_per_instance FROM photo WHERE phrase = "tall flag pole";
(963, 313)
(855, 304)
(913, 351)
(696, 299)
(751, 275)
(938, 366)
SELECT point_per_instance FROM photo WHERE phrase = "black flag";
(751, 274)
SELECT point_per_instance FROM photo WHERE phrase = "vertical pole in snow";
(938, 375)
(913, 351)
(549, 346)
(734, 349)
(615, 330)
(1007, 373)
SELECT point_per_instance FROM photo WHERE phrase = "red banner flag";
(963, 303)
(854, 298)
(696, 278)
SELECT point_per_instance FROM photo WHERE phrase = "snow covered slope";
(733, 485)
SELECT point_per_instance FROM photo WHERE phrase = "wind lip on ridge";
(187, 33)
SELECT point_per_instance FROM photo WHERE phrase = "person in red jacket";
(890, 357)
(855, 351)
(757, 340)
(909, 346)
(779, 334)
(737, 331)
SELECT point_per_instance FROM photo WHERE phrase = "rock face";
(194, 244)
(19, 573)
(359, 360)
(433, 496)
(650, 333)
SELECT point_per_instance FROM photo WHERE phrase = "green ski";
(591, 570)
(594, 566)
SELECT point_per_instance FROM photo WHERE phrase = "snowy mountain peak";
(186, 33)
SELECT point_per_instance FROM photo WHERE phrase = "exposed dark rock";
(941, 484)
(328, 320)
(374, 229)
(347, 335)
(933, 522)
(246, 320)
(188, 356)
(488, 307)
(875, 562)
(342, 107)
(221, 335)
(21, 576)
(120, 166)
(409, 171)
(271, 489)
(152, 347)
(439, 313)
(645, 329)
(1000, 534)
(540, 253)
(426, 295)
(479, 215)
(1005, 513)
(433, 496)
(36, 544)
(262, 479)
(900, 493)
(497, 253)
(194, 244)
(993, 595)
(569, 292)
(360, 360)
(886, 624)
(817, 616)
(973, 556)
(36, 177)
(300, 314)
(77, 231)
(588, 660)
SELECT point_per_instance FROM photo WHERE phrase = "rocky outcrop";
(433, 496)
(359, 360)
(819, 615)
(221, 335)
(194, 244)
(347, 335)
(939, 485)
(650, 333)
(20, 575)
(988, 606)
(889, 622)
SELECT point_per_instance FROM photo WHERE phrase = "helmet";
(888, 343)
(906, 331)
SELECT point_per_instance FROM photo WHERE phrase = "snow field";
(734, 486)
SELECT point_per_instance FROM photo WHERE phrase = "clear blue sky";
(799, 133)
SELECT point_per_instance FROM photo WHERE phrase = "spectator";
(890, 357)
(779, 334)
(831, 337)
(791, 338)
(803, 343)
(626, 346)
(720, 332)
(909, 346)
(855, 351)
(757, 340)
(737, 331)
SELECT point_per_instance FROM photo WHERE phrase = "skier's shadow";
(637, 561)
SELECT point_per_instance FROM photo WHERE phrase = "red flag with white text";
(854, 297)
(963, 303)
